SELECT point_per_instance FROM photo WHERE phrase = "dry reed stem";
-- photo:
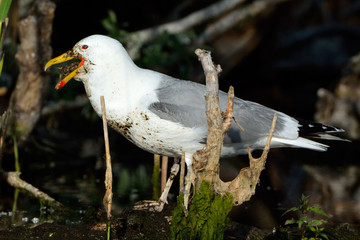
(107, 200)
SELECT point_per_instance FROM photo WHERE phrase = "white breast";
(149, 132)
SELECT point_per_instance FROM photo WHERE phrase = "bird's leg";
(164, 168)
(159, 205)
(189, 180)
(182, 174)
(173, 172)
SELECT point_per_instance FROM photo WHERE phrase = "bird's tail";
(311, 130)
(299, 143)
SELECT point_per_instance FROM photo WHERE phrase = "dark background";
(301, 46)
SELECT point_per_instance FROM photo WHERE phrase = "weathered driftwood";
(14, 180)
(206, 162)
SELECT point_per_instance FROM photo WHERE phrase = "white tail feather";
(298, 143)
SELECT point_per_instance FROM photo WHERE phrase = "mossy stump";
(207, 216)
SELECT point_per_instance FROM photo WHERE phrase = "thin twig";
(267, 146)
(238, 124)
(107, 201)
(229, 115)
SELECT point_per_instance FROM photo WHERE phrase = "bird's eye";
(84, 47)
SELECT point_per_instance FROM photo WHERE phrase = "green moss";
(207, 216)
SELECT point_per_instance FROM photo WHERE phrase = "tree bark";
(32, 83)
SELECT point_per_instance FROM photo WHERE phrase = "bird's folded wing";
(183, 102)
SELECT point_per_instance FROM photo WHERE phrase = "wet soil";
(90, 225)
(143, 225)
(128, 225)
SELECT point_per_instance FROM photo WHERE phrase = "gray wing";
(183, 102)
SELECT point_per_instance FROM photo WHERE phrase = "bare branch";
(206, 161)
(233, 18)
(189, 21)
(229, 116)
(238, 124)
(213, 112)
(195, 18)
(211, 72)
(14, 180)
(244, 185)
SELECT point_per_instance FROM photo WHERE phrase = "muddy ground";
(143, 225)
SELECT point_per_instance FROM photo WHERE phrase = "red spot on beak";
(60, 84)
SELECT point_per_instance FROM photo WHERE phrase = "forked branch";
(206, 161)
(244, 185)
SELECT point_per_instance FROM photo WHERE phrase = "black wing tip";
(308, 128)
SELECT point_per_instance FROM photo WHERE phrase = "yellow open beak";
(60, 59)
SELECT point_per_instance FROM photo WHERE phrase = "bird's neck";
(125, 87)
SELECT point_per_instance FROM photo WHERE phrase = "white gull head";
(101, 53)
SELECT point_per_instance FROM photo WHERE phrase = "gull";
(164, 115)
